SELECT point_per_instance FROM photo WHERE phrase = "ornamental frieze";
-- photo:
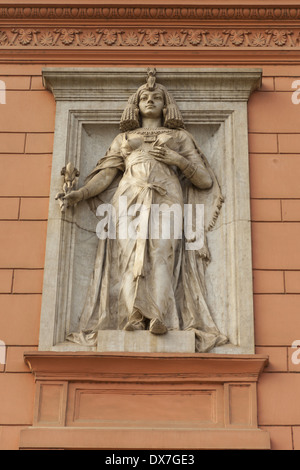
(162, 12)
(147, 37)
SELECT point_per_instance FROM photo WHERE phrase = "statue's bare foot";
(157, 327)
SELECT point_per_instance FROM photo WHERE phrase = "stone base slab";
(144, 401)
(144, 341)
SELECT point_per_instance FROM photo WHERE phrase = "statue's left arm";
(197, 174)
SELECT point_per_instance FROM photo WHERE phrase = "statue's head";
(170, 114)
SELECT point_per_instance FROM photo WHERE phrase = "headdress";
(131, 116)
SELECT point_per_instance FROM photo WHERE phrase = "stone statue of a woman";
(147, 283)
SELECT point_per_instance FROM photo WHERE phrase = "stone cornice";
(95, 34)
(173, 367)
(229, 84)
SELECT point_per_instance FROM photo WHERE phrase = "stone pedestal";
(144, 401)
(144, 341)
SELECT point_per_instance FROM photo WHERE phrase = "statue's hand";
(72, 198)
(167, 156)
(60, 196)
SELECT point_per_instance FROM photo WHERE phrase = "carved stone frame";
(208, 98)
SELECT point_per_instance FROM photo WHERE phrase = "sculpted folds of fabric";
(145, 282)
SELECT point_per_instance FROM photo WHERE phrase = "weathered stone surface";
(144, 341)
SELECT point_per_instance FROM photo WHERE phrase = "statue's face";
(151, 104)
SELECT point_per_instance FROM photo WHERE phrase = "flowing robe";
(151, 275)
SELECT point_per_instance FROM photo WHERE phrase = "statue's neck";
(151, 123)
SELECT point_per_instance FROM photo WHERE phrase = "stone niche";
(172, 398)
(213, 103)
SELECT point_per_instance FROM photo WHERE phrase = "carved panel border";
(97, 37)
(154, 12)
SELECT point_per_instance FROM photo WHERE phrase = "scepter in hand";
(70, 174)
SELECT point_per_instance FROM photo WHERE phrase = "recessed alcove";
(213, 103)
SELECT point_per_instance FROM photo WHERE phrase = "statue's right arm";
(92, 188)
